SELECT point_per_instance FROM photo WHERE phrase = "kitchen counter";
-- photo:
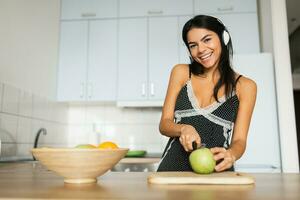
(33, 181)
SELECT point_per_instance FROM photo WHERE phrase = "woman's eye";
(207, 40)
(192, 46)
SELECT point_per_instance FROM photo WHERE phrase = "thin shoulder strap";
(238, 78)
(190, 72)
(234, 87)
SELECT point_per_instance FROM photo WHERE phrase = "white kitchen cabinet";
(163, 54)
(72, 60)
(87, 61)
(146, 57)
(132, 52)
(240, 17)
(225, 6)
(88, 9)
(184, 55)
(102, 60)
(140, 8)
(243, 29)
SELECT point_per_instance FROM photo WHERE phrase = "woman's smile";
(204, 46)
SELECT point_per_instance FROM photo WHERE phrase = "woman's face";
(204, 46)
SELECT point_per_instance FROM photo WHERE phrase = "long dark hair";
(227, 75)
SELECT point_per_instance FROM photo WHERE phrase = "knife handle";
(194, 144)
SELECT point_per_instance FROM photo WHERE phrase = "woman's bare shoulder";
(246, 86)
(180, 73)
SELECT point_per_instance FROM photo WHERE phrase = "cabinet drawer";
(88, 9)
(135, 8)
(224, 6)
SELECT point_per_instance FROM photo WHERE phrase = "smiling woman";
(209, 102)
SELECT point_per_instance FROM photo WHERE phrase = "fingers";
(221, 166)
(188, 136)
(225, 164)
(217, 150)
(224, 155)
(187, 142)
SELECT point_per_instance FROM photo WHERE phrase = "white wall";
(29, 33)
(22, 114)
(265, 25)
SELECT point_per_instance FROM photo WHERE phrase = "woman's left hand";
(226, 156)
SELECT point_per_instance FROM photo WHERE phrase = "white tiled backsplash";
(134, 128)
(22, 114)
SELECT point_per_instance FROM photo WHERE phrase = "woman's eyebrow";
(203, 38)
(208, 35)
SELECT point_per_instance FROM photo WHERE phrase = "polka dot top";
(214, 123)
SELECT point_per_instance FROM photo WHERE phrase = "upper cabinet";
(88, 61)
(240, 18)
(132, 52)
(225, 6)
(88, 9)
(102, 60)
(124, 50)
(72, 61)
(140, 8)
(163, 50)
(146, 58)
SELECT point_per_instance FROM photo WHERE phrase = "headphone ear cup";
(226, 37)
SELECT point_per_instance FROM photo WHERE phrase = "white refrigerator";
(263, 146)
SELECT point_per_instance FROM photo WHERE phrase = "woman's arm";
(247, 96)
(186, 133)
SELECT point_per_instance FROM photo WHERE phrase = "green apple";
(85, 146)
(202, 161)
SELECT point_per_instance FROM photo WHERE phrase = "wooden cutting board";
(193, 178)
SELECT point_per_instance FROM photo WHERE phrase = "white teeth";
(205, 57)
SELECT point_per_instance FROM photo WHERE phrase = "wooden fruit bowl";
(79, 165)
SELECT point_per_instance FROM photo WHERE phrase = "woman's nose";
(201, 48)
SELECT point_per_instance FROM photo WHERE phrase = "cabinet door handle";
(143, 89)
(81, 90)
(225, 9)
(152, 89)
(88, 14)
(155, 12)
(90, 90)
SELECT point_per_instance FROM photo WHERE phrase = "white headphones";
(225, 35)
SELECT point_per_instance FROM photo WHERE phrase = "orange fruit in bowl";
(108, 145)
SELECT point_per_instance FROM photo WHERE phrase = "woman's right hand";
(188, 136)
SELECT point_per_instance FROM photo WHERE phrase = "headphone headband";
(225, 34)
